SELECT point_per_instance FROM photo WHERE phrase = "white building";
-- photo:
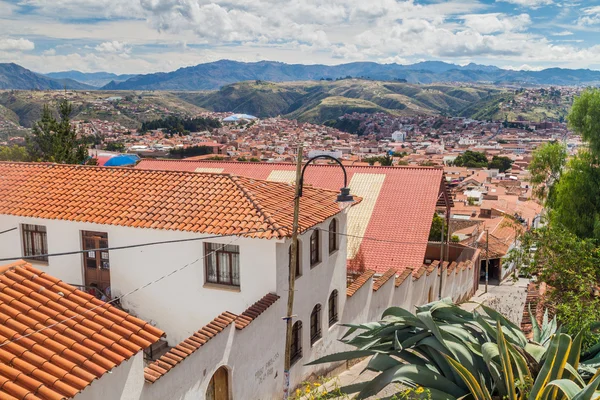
(332, 153)
(204, 257)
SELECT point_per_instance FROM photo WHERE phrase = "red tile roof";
(384, 278)
(87, 337)
(359, 282)
(208, 203)
(402, 211)
(177, 354)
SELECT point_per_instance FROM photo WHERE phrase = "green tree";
(13, 153)
(584, 118)
(115, 146)
(471, 159)
(435, 232)
(56, 141)
(500, 162)
(386, 160)
(545, 168)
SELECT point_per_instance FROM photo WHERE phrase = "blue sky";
(140, 36)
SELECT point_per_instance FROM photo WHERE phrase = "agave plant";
(543, 334)
(458, 354)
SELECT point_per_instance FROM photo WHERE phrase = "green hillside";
(320, 101)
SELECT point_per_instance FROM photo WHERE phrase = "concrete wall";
(179, 304)
(124, 382)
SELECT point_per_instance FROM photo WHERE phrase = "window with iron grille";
(333, 236)
(333, 304)
(298, 269)
(315, 324)
(35, 242)
(222, 264)
(296, 344)
(315, 257)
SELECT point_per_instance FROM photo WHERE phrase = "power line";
(124, 295)
(133, 246)
(9, 230)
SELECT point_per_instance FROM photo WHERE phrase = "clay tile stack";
(55, 340)
(195, 202)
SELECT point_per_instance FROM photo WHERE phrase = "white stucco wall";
(124, 382)
(179, 304)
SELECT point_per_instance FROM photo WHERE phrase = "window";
(298, 269)
(315, 324)
(333, 236)
(95, 261)
(314, 248)
(222, 264)
(333, 300)
(296, 345)
(35, 242)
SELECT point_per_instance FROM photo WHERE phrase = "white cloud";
(50, 52)
(591, 16)
(490, 23)
(16, 45)
(563, 33)
(524, 67)
(529, 3)
(112, 47)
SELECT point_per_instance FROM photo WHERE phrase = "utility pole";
(441, 260)
(292, 277)
(487, 258)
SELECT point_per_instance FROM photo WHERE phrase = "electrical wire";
(9, 230)
(119, 298)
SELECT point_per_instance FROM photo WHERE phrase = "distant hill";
(97, 79)
(13, 76)
(214, 75)
(324, 100)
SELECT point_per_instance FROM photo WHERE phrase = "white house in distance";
(204, 257)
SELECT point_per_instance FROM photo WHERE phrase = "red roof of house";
(397, 207)
(56, 340)
(211, 203)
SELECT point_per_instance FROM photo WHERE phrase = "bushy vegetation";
(456, 354)
(191, 151)
(471, 159)
(500, 162)
(173, 124)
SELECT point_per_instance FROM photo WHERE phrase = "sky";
(144, 36)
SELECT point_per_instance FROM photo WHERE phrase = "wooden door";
(218, 387)
(96, 262)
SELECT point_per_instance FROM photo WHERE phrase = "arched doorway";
(218, 387)
(430, 295)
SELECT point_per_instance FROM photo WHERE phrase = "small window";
(315, 324)
(333, 305)
(222, 264)
(315, 257)
(35, 242)
(298, 260)
(333, 236)
(296, 344)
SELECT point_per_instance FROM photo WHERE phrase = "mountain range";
(214, 75)
(96, 79)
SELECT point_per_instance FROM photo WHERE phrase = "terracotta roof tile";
(184, 349)
(61, 361)
(359, 282)
(384, 278)
(177, 354)
(215, 201)
(255, 310)
(402, 277)
(398, 203)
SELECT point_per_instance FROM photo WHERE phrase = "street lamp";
(344, 199)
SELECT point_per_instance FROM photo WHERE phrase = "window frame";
(33, 230)
(296, 343)
(332, 307)
(217, 252)
(315, 248)
(316, 331)
(333, 236)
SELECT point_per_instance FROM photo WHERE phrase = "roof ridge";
(268, 217)
(421, 167)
